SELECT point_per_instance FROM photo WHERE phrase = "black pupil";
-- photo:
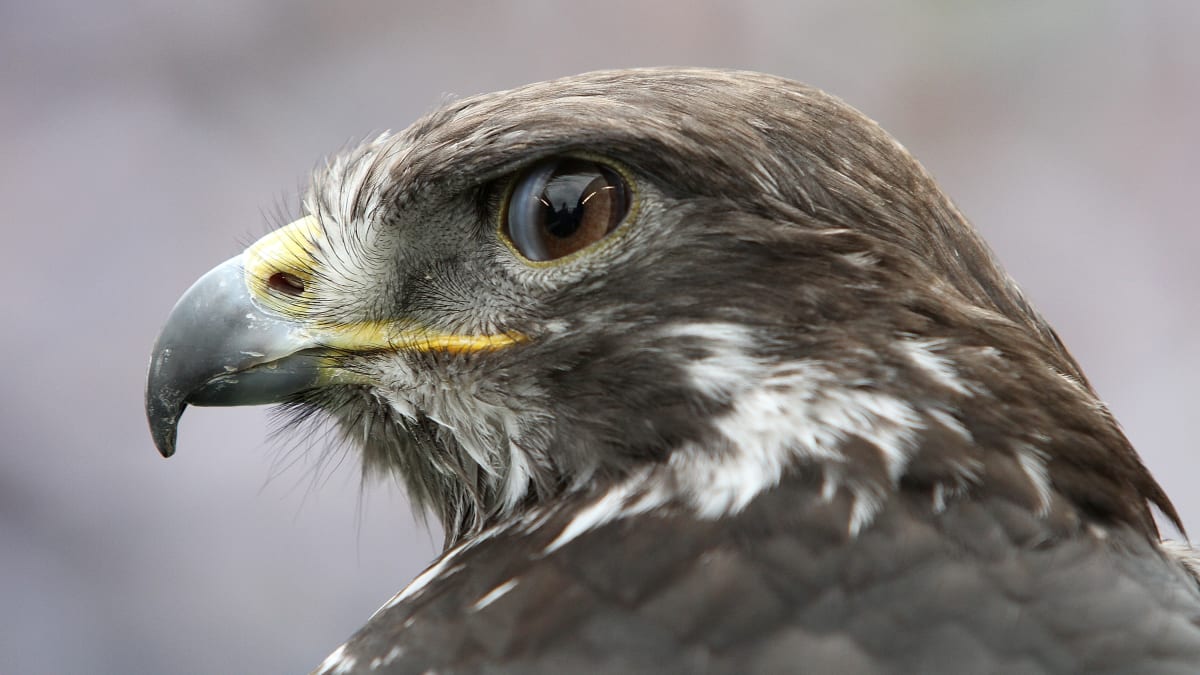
(564, 199)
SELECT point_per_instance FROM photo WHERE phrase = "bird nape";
(701, 372)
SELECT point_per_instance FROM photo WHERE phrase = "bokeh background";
(143, 142)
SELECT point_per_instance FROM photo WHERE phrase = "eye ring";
(563, 205)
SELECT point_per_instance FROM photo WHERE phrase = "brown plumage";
(792, 370)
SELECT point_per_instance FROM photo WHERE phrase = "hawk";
(701, 372)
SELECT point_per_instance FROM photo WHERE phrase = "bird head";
(697, 283)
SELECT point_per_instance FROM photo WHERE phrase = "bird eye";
(561, 206)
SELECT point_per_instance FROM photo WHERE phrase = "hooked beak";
(240, 336)
(219, 348)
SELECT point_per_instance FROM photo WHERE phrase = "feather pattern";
(791, 411)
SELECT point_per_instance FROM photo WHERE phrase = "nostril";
(288, 284)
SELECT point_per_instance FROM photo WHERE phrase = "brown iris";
(561, 206)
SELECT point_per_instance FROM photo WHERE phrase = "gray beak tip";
(163, 431)
(163, 410)
(165, 442)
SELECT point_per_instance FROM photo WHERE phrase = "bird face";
(528, 293)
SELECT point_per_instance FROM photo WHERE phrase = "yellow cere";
(288, 251)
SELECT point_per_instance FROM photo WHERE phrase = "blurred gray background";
(144, 142)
